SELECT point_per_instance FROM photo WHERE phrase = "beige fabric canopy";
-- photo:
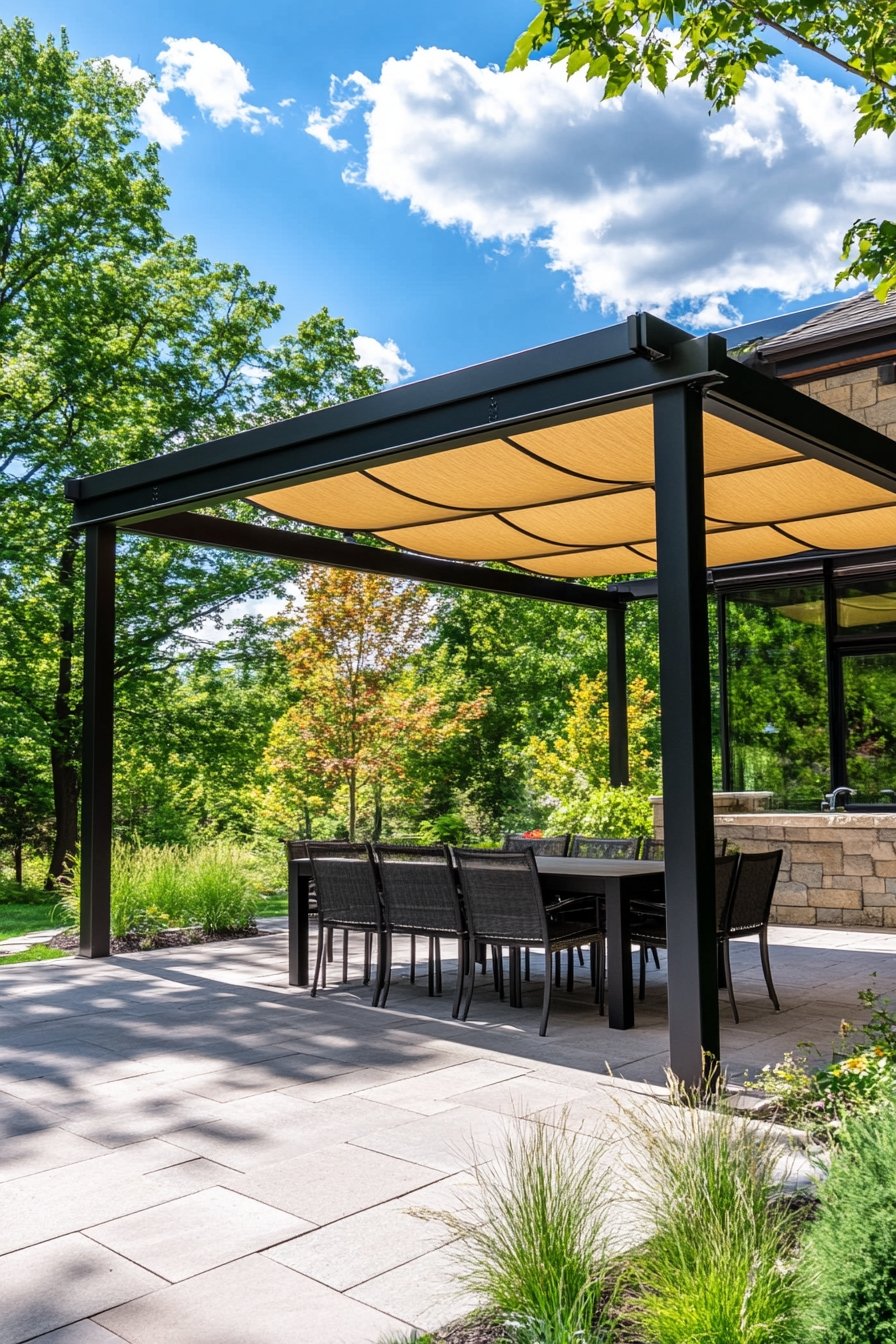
(576, 499)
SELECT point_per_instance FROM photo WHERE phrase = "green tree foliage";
(118, 341)
(715, 44)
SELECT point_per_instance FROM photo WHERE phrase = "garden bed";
(161, 938)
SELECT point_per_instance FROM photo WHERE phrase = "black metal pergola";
(634, 420)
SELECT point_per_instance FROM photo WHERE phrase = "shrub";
(215, 886)
(448, 829)
(860, 1079)
(848, 1271)
(534, 1241)
(717, 1267)
(606, 811)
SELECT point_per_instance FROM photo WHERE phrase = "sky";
(376, 159)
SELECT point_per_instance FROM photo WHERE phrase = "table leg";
(620, 999)
(297, 905)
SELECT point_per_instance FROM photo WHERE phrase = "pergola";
(637, 448)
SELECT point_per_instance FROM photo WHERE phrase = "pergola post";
(617, 696)
(686, 733)
(96, 789)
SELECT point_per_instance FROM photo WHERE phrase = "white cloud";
(155, 123)
(385, 356)
(642, 202)
(214, 78)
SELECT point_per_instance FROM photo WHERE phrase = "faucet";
(830, 800)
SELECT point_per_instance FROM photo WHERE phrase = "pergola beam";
(204, 530)
(558, 381)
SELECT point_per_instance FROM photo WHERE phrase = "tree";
(359, 712)
(715, 44)
(117, 342)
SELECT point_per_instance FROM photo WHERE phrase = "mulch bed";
(142, 942)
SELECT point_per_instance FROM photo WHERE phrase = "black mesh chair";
(554, 845)
(504, 908)
(745, 885)
(347, 898)
(594, 847)
(656, 849)
(420, 897)
(648, 926)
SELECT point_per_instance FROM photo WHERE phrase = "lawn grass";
(268, 906)
(27, 909)
(36, 953)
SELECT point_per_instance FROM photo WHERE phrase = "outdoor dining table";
(618, 881)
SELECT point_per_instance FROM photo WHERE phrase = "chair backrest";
(553, 845)
(593, 847)
(656, 849)
(726, 878)
(296, 849)
(345, 880)
(751, 898)
(502, 896)
(419, 888)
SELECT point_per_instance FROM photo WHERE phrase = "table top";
(551, 865)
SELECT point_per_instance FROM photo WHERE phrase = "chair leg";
(581, 956)
(526, 962)
(469, 995)
(727, 956)
(329, 945)
(766, 967)
(656, 957)
(516, 978)
(642, 972)
(498, 966)
(344, 956)
(384, 971)
(430, 972)
(367, 944)
(321, 949)
(546, 1005)
(413, 957)
(557, 968)
(438, 952)
(462, 955)
(570, 976)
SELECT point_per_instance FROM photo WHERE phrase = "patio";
(197, 1153)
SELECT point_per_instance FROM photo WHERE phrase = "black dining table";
(618, 881)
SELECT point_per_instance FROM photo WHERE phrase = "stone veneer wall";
(838, 867)
(860, 394)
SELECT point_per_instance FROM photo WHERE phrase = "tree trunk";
(352, 805)
(64, 738)
(17, 860)
(377, 813)
(307, 811)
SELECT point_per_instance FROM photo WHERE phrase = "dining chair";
(595, 847)
(648, 924)
(420, 898)
(554, 845)
(656, 849)
(504, 908)
(745, 887)
(348, 898)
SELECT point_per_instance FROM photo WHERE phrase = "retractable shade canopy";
(545, 461)
(577, 499)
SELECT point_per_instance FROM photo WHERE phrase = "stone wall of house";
(860, 394)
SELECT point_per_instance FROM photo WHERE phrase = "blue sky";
(453, 213)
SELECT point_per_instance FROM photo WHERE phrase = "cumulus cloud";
(385, 356)
(214, 79)
(641, 201)
(155, 123)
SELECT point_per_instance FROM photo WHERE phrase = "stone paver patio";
(194, 1153)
